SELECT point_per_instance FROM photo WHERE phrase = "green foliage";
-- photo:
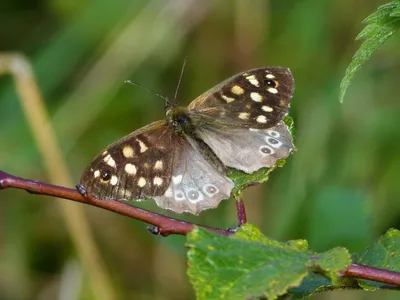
(250, 264)
(382, 254)
(381, 25)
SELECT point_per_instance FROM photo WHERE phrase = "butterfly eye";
(182, 119)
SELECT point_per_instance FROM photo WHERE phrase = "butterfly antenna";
(167, 101)
(180, 79)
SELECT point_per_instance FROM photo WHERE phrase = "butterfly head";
(179, 119)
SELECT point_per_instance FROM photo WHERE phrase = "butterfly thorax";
(178, 118)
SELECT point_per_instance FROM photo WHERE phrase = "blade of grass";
(32, 103)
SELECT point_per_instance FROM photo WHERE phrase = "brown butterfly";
(181, 161)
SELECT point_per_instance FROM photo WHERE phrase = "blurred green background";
(341, 188)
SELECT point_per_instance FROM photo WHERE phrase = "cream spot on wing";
(244, 115)
(96, 173)
(127, 151)
(270, 76)
(254, 129)
(121, 193)
(158, 181)
(142, 145)
(237, 90)
(168, 192)
(114, 180)
(141, 182)
(159, 165)
(227, 99)
(256, 97)
(261, 119)
(105, 153)
(252, 79)
(267, 108)
(130, 169)
(111, 162)
(105, 159)
(177, 179)
(272, 90)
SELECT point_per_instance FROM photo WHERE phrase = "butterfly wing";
(248, 149)
(258, 98)
(196, 183)
(155, 162)
(135, 167)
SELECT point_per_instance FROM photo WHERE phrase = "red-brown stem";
(371, 273)
(241, 212)
(165, 224)
(168, 225)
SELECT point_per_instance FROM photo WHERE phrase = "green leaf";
(383, 254)
(312, 283)
(249, 264)
(381, 25)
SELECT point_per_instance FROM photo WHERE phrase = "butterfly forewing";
(258, 98)
(155, 162)
(135, 167)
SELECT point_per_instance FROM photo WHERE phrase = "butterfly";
(181, 162)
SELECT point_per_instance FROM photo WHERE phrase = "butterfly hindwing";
(258, 98)
(249, 149)
(195, 183)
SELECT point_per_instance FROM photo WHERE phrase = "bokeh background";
(341, 188)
